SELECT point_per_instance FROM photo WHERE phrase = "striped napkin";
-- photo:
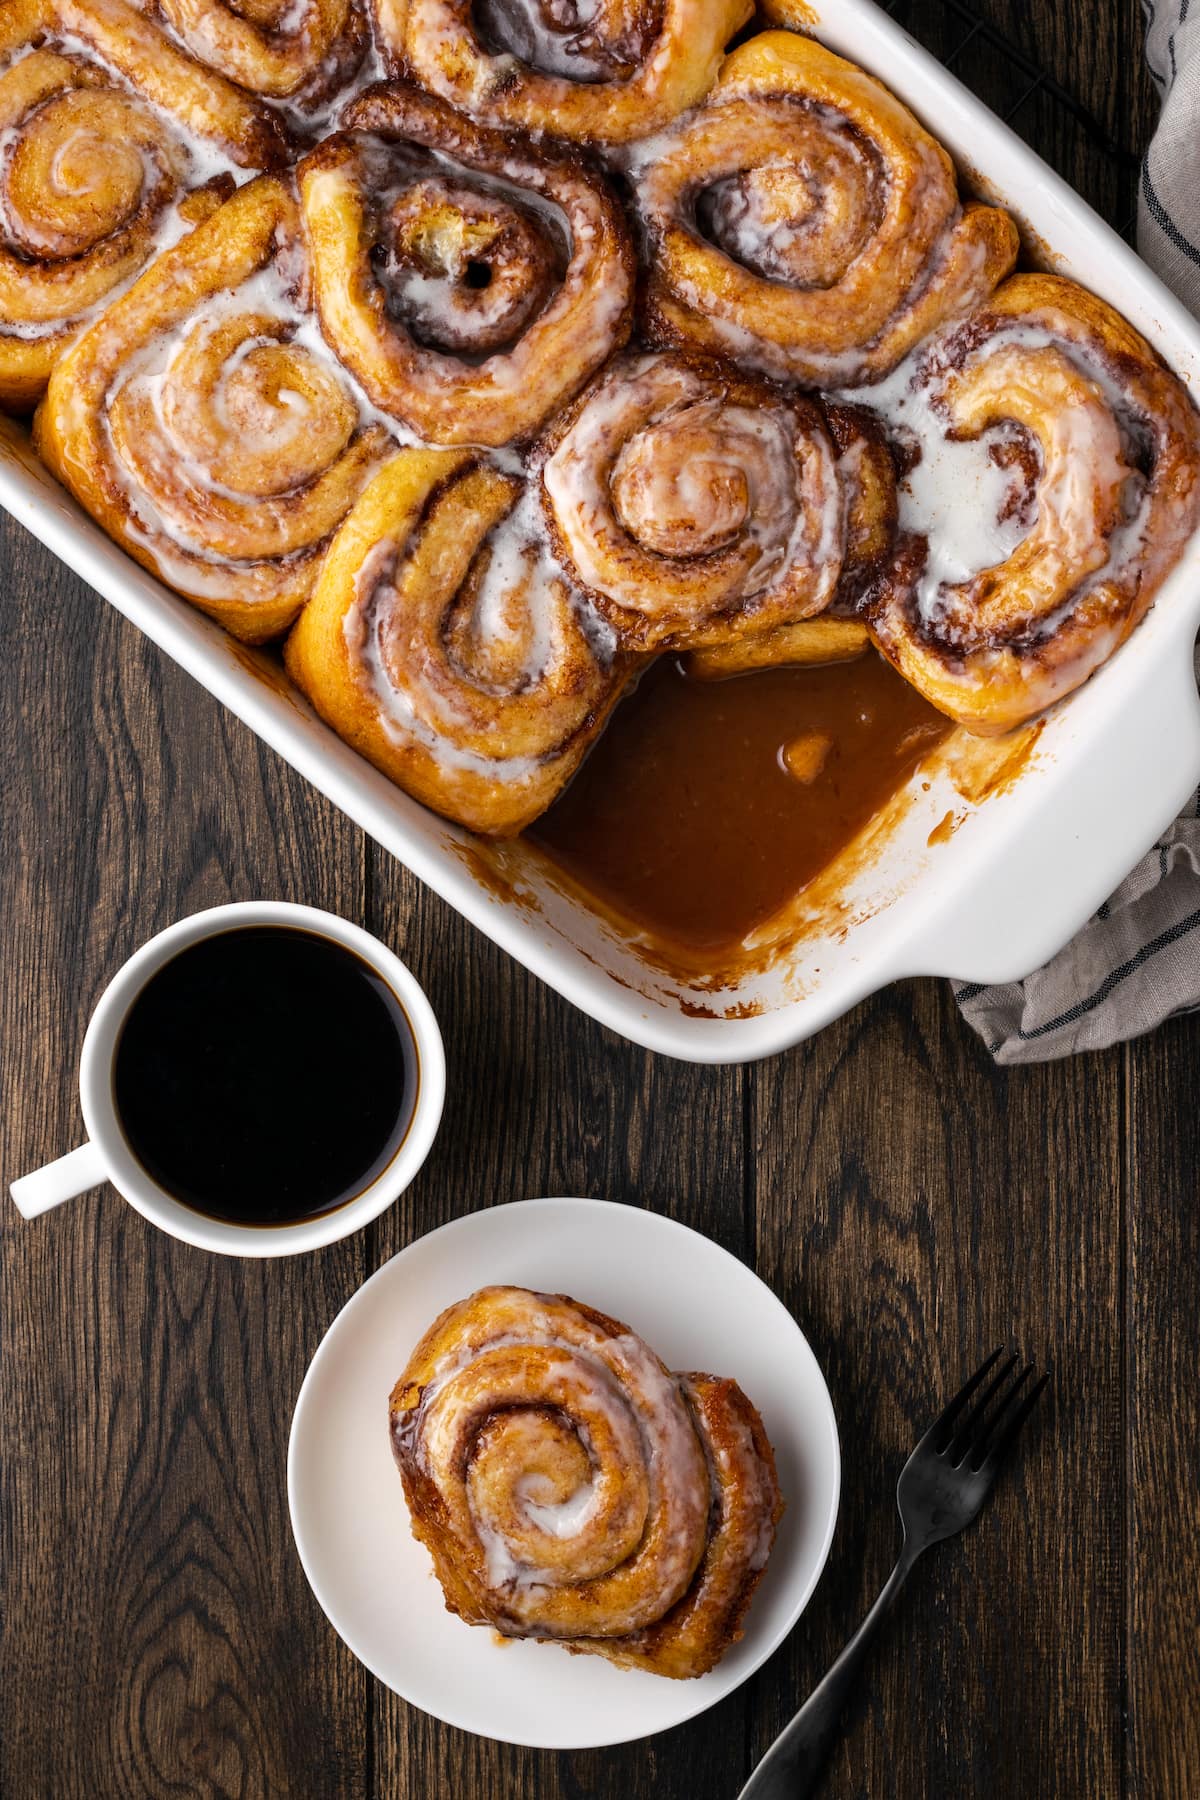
(1137, 961)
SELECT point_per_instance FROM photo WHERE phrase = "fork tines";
(983, 1436)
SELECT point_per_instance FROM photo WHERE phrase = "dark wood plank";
(543, 1101)
(160, 1637)
(1163, 1423)
(916, 1208)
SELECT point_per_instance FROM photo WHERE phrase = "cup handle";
(72, 1174)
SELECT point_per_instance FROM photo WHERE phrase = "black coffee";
(265, 1075)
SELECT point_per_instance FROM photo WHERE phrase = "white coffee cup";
(107, 1155)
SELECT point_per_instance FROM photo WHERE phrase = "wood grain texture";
(158, 1629)
(1162, 1475)
(912, 1205)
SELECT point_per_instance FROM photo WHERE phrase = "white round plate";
(699, 1308)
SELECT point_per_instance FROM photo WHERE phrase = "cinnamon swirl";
(1074, 452)
(870, 510)
(471, 280)
(594, 71)
(204, 423)
(446, 645)
(699, 506)
(802, 220)
(569, 1487)
(111, 142)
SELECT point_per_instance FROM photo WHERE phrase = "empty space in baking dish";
(981, 867)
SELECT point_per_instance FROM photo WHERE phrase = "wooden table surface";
(911, 1203)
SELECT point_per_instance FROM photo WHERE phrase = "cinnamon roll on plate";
(568, 1487)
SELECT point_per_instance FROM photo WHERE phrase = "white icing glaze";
(956, 495)
(975, 512)
(198, 569)
(778, 522)
(559, 1518)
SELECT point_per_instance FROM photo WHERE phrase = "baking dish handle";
(1116, 800)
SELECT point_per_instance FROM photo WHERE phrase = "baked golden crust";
(1107, 440)
(297, 50)
(197, 427)
(444, 646)
(636, 63)
(569, 1487)
(802, 220)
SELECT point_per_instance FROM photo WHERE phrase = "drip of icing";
(559, 1518)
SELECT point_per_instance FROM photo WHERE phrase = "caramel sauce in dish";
(708, 805)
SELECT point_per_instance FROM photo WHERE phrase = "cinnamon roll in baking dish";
(471, 281)
(697, 505)
(110, 140)
(205, 424)
(570, 1488)
(445, 644)
(604, 72)
(302, 51)
(1089, 448)
(802, 220)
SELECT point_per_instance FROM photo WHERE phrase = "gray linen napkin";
(1138, 960)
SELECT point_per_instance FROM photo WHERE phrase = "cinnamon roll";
(204, 423)
(110, 140)
(803, 221)
(569, 1487)
(303, 51)
(602, 71)
(445, 643)
(1069, 455)
(697, 505)
(471, 281)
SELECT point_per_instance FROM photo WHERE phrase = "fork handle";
(791, 1766)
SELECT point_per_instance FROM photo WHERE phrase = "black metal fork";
(941, 1489)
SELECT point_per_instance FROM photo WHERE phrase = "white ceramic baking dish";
(1006, 880)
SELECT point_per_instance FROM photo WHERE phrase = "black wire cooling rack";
(1024, 95)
